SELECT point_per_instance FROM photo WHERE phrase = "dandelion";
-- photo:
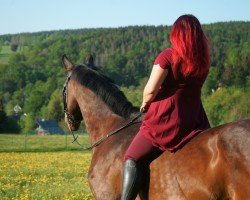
(44, 175)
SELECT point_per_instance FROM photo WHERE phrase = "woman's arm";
(151, 89)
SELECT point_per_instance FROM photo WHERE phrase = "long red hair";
(190, 45)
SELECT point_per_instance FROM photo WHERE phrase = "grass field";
(5, 54)
(35, 143)
(43, 167)
(50, 175)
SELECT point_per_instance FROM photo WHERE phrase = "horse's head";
(87, 91)
(73, 115)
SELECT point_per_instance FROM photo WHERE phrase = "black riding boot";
(145, 181)
(131, 180)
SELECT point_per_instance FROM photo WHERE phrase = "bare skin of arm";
(151, 89)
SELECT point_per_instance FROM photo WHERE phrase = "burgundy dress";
(176, 115)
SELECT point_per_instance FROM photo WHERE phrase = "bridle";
(70, 118)
(73, 121)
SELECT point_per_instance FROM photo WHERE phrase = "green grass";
(50, 175)
(5, 54)
(6, 50)
(35, 143)
(30, 167)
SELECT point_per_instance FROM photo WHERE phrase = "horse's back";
(235, 148)
(214, 165)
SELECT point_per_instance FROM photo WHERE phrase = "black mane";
(104, 88)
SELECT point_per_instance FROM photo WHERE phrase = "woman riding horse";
(214, 165)
(172, 102)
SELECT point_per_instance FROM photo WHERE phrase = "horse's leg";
(102, 185)
(105, 176)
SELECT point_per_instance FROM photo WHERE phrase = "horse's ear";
(66, 62)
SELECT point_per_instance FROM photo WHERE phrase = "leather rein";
(73, 121)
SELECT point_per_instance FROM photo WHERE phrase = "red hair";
(190, 45)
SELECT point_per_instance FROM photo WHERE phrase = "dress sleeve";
(164, 59)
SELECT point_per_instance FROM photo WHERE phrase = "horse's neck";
(99, 119)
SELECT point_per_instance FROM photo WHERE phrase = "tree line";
(33, 76)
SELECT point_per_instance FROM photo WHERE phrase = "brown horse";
(214, 165)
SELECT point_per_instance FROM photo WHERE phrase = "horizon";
(92, 28)
(27, 16)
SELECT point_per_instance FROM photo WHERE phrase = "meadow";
(35, 143)
(5, 53)
(42, 175)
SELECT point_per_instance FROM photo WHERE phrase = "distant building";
(46, 127)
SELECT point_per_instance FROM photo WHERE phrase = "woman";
(172, 102)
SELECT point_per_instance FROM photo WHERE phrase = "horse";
(213, 165)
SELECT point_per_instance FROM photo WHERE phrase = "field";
(5, 54)
(34, 143)
(47, 176)
(42, 175)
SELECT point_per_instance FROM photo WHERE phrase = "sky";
(17, 16)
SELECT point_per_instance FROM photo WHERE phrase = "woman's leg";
(138, 156)
(141, 150)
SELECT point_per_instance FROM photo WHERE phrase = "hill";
(33, 76)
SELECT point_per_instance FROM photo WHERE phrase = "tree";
(36, 98)
(27, 123)
(211, 82)
(7, 124)
(13, 47)
(125, 55)
(3, 119)
(227, 104)
(54, 109)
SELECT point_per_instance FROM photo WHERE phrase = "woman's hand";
(144, 107)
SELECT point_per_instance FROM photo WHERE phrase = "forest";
(32, 75)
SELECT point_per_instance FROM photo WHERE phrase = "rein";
(71, 120)
(105, 137)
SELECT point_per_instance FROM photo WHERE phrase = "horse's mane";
(105, 88)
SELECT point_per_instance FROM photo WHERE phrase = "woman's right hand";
(144, 107)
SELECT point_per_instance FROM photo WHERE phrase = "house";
(48, 127)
